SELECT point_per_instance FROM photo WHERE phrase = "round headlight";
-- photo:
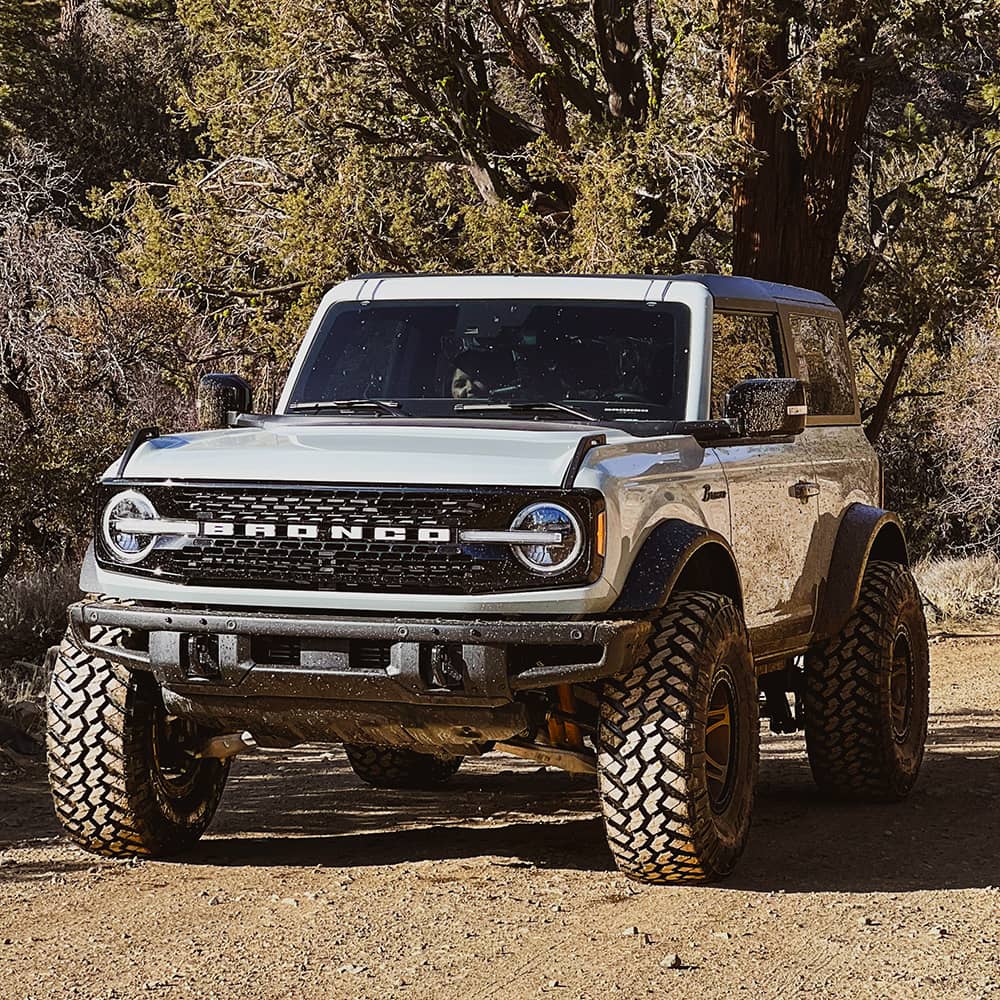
(549, 557)
(128, 546)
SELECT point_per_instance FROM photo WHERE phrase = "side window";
(744, 345)
(824, 364)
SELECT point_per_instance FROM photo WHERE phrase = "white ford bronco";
(601, 523)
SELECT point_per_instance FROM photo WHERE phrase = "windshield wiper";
(515, 407)
(389, 406)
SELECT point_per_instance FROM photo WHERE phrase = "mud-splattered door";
(846, 465)
(774, 514)
(771, 483)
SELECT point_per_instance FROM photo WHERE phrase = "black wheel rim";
(720, 742)
(175, 768)
(901, 685)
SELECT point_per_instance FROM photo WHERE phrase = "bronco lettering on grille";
(337, 533)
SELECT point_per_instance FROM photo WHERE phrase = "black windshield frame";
(634, 344)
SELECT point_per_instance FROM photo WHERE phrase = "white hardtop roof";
(727, 291)
(507, 286)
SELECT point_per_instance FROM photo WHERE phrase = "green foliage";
(237, 158)
(104, 99)
(26, 27)
(400, 137)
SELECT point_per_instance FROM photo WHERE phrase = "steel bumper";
(490, 659)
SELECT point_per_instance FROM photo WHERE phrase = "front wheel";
(122, 776)
(678, 746)
(866, 692)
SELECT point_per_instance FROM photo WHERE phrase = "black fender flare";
(678, 551)
(865, 533)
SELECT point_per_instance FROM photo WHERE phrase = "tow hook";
(229, 745)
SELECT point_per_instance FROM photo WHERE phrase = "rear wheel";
(400, 767)
(123, 779)
(678, 746)
(866, 692)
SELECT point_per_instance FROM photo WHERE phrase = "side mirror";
(767, 407)
(220, 398)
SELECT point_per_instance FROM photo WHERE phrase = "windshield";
(614, 360)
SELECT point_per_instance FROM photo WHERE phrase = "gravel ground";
(312, 886)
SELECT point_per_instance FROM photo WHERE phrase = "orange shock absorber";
(562, 731)
(557, 731)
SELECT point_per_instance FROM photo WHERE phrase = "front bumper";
(351, 678)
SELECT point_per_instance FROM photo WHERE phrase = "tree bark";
(70, 16)
(618, 52)
(536, 72)
(789, 204)
(887, 395)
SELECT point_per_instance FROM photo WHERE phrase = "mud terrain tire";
(866, 692)
(119, 783)
(399, 767)
(674, 809)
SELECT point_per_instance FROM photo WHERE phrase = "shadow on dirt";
(305, 808)
(944, 836)
(25, 806)
(311, 810)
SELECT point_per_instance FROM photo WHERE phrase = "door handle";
(803, 490)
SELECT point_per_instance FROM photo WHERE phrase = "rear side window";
(824, 364)
(744, 345)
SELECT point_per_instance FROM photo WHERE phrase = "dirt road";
(312, 886)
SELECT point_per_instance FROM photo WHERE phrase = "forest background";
(180, 182)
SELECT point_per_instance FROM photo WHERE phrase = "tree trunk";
(70, 16)
(789, 205)
(524, 58)
(887, 395)
(767, 198)
(619, 53)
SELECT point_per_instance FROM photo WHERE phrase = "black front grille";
(351, 565)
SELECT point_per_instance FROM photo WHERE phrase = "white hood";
(391, 451)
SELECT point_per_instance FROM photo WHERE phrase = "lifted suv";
(595, 522)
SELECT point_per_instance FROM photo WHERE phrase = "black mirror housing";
(221, 398)
(767, 407)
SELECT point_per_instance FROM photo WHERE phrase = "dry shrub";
(32, 618)
(968, 428)
(23, 684)
(961, 589)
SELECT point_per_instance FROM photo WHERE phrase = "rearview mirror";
(767, 407)
(220, 398)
